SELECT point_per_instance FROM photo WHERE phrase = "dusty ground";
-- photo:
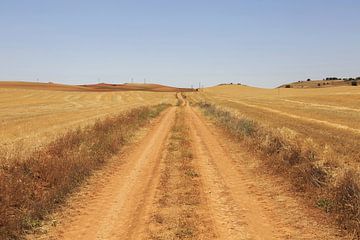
(185, 180)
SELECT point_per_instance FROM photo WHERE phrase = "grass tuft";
(347, 201)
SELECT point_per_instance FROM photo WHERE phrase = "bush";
(347, 201)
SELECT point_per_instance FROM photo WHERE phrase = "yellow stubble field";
(33, 117)
(329, 116)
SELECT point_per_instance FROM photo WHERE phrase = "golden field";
(30, 117)
(329, 116)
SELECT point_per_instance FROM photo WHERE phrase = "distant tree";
(308, 79)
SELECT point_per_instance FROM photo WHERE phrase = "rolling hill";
(101, 87)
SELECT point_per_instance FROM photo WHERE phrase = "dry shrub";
(33, 185)
(289, 154)
(311, 169)
(347, 201)
(241, 127)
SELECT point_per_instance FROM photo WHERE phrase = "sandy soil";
(235, 202)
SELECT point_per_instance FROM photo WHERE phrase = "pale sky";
(256, 42)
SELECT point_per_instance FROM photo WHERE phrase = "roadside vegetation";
(178, 202)
(32, 186)
(313, 170)
(329, 116)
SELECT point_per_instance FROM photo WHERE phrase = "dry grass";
(347, 201)
(329, 116)
(309, 167)
(179, 213)
(33, 185)
(31, 118)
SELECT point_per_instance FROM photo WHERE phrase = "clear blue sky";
(256, 42)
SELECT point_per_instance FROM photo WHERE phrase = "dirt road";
(243, 204)
(185, 180)
(109, 206)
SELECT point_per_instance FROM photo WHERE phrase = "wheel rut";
(110, 205)
(244, 205)
(182, 181)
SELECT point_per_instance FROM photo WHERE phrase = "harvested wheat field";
(329, 116)
(212, 164)
(32, 113)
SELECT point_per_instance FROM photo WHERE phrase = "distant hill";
(101, 87)
(135, 87)
(321, 83)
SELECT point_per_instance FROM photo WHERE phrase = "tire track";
(242, 207)
(311, 120)
(322, 106)
(180, 209)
